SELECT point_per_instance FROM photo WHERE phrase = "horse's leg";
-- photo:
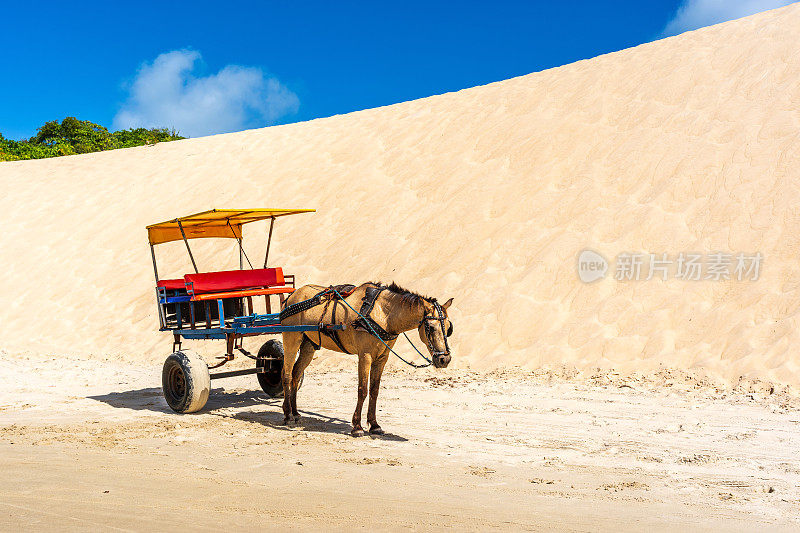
(306, 354)
(374, 385)
(291, 343)
(364, 362)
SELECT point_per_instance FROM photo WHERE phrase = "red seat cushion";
(171, 283)
(232, 280)
(240, 294)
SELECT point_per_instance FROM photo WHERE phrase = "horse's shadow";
(309, 421)
(220, 400)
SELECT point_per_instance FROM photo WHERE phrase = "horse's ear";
(447, 304)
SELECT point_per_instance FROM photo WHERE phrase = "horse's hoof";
(287, 421)
(376, 430)
(296, 419)
(357, 432)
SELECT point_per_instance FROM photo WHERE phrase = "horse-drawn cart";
(221, 305)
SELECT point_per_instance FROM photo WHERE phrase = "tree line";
(72, 136)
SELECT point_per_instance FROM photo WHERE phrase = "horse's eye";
(450, 329)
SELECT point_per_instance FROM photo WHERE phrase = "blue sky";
(212, 67)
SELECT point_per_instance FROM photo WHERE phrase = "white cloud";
(693, 14)
(166, 93)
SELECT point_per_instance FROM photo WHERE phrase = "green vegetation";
(73, 136)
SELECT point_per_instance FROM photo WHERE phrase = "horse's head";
(434, 328)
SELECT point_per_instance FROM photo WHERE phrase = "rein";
(375, 334)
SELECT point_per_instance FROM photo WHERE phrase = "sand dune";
(687, 144)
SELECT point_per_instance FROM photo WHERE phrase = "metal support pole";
(183, 233)
(269, 240)
(221, 312)
(162, 318)
(153, 255)
(241, 255)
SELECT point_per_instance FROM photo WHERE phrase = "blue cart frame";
(231, 317)
(231, 330)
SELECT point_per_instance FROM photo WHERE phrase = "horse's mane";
(406, 296)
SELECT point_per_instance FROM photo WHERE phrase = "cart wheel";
(270, 356)
(185, 381)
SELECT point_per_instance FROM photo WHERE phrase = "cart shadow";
(149, 399)
(152, 399)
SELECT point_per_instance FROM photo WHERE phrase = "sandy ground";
(85, 444)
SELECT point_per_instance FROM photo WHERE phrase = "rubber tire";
(193, 395)
(271, 380)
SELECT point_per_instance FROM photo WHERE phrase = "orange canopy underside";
(224, 223)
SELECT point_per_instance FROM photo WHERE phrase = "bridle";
(425, 322)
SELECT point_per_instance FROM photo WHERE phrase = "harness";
(336, 294)
(429, 330)
(332, 294)
(334, 334)
(343, 291)
(365, 322)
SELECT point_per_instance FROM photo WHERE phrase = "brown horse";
(395, 311)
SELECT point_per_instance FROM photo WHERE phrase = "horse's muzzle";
(441, 361)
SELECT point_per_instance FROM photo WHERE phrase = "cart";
(221, 305)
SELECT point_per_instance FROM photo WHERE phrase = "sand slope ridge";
(687, 144)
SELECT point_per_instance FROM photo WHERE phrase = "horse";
(389, 311)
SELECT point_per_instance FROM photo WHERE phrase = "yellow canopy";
(225, 223)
